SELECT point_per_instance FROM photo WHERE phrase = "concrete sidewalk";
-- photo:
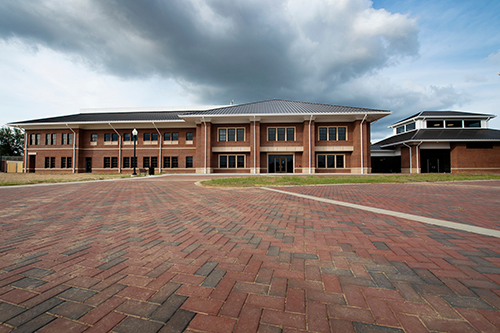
(163, 255)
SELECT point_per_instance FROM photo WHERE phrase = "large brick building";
(439, 141)
(273, 136)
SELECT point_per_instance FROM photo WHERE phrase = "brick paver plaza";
(161, 254)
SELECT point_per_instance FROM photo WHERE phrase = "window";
(38, 139)
(69, 162)
(34, 139)
(240, 134)
(329, 161)
(47, 162)
(63, 162)
(107, 162)
(52, 162)
(189, 161)
(93, 138)
(410, 126)
(126, 162)
(479, 145)
(126, 137)
(64, 140)
(189, 136)
(472, 123)
(175, 136)
(454, 123)
(114, 137)
(231, 134)
(154, 136)
(400, 129)
(281, 134)
(170, 162)
(147, 137)
(134, 161)
(48, 139)
(271, 134)
(107, 137)
(53, 141)
(154, 162)
(434, 123)
(231, 161)
(114, 162)
(332, 133)
(166, 136)
(145, 162)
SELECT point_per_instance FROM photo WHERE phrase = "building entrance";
(280, 164)
(88, 164)
(435, 160)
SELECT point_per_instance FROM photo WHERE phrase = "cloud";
(219, 50)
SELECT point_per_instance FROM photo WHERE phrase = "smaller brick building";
(274, 136)
(439, 141)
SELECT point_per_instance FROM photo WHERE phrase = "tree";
(11, 141)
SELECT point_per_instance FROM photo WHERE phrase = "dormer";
(442, 120)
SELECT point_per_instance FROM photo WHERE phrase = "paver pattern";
(164, 255)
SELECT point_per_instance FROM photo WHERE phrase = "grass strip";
(340, 179)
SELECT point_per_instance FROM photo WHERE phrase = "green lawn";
(341, 179)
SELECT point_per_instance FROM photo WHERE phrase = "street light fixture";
(134, 161)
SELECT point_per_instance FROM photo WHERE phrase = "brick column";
(309, 139)
(254, 162)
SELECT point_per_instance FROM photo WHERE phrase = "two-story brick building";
(274, 136)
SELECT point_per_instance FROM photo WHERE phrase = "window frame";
(93, 136)
(188, 135)
(276, 134)
(226, 131)
(336, 159)
(228, 158)
(189, 162)
(337, 133)
(106, 162)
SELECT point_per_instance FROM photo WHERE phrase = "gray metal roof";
(279, 106)
(446, 114)
(443, 135)
(108, 117)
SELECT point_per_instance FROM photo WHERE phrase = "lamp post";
(134, 161)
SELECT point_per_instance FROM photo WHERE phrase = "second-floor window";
(171, 136)
(93, 138)
(110, 137)
(332, 133)
(231, 134)
(189, 136)
(67, 139)
(281, 134)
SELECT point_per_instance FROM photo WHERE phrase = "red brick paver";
(162, 254)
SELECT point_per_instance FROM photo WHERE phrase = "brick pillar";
(306, 140)
(204, 151)
(254, 162)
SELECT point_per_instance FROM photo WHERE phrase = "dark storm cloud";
(220, 50)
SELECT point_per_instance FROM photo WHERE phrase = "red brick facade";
(205, 149)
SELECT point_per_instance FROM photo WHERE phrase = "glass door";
(280, 164)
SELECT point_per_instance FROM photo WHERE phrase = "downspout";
(74, 146)
(410, 156)
(254, 148)
(160, 139)
(310, 120)
(26, 150)
(119, 149)
(361, 134)
(418, 161)
(205, 159)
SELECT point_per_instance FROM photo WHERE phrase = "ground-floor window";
(145, 162)
(231, 161)
(280, 164)
(126, 162)
(47, 162)
(330, 161)
(65, 162)
(170, 162)
(189, 161)
(154, 162)
(107, 162)
(114, 162)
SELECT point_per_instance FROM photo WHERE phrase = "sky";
(406, 56)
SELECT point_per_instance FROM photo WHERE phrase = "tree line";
(11, 141)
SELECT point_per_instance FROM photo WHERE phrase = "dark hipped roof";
(445, 114)
(443, 135)
(109, 117)
(279, 106)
